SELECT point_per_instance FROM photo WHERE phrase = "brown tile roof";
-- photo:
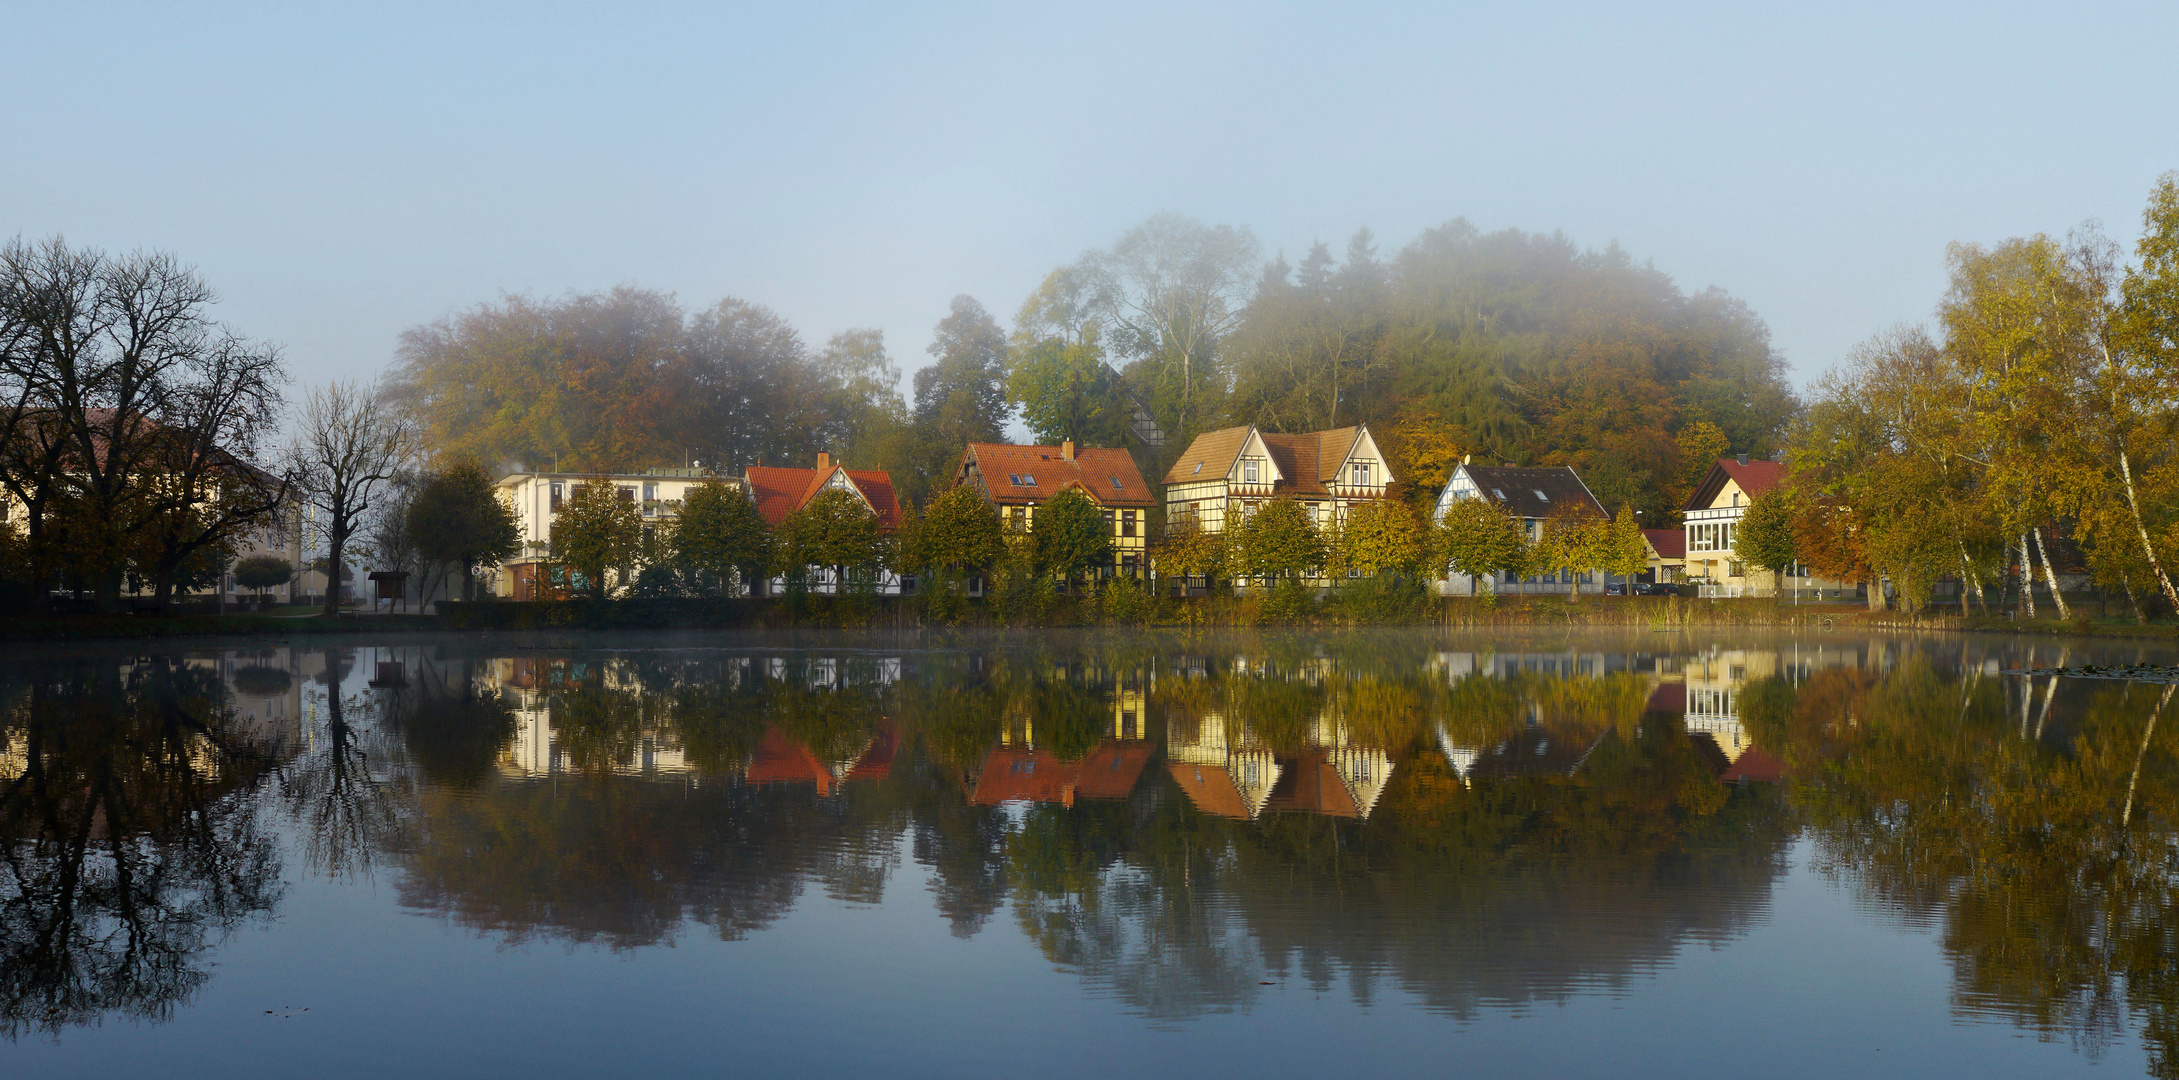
(1668, 543)
(1214, 450)
(780, 492)
(1210, 788)
(1109, 475)
(1754, 478)
(1516, 489)
(1300, 461)
(1308, 461)
(1311, 785)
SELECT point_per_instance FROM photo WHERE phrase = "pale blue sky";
(342, 176)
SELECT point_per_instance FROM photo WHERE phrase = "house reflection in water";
(1226, 769)
(536, 686)
(778, 759)
(1017, 770)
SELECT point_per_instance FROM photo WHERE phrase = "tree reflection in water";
(346, 789)
(132, 843)
(1177, 822)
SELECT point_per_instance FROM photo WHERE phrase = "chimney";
(1743, 459)
(1066, 450)
(824, 461)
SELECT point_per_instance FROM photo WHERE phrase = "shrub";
(1127, 603)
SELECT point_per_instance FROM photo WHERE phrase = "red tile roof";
(1754, 764)
(780, 492)
(1011, 775)
(781, 760)
(1669, 697)
(1754, 478)
(877, 761)
(1108, 475)
(1667, 543)
(1111, 770)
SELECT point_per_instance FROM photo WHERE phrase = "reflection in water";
(131, 844)
(1177, 823)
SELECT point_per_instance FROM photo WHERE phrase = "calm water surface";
(1406, 854)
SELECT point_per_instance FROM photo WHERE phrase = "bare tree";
(207, 490)
(114, 376)
(351, 443)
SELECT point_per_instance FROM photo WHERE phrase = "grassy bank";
(251, 624)
(1338, 609)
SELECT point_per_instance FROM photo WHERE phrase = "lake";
(1370, 853)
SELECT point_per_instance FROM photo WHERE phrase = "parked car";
(1617, 589)
(1656, 588)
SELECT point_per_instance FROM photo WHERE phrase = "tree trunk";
(2163, 580)
(1876, 593)
(2126, 582)
(336, 551)
(2057, 597)
(2027, 578)
(162, 583)
(2127, 815)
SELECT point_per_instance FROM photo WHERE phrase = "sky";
(340, 175)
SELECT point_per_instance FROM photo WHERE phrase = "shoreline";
(1208, 613)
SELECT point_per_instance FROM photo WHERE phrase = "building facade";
(782, 491)
(1226, 474)
(1018, 479)
(536, 498)
(1531, 496)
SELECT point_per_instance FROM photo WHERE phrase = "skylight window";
(1015, 477)
(1198, 468)
(1501, 495)
(1540, 494)
(1029, 480)
(1116, 484)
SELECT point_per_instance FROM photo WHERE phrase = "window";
(627, 493)
(1108, 521)
(1249, 471)
(1540, 496)
(650, 492)
(1028, 480)
(1198, 468)
(1116, 485)
(559, 491)
(1501, 495)
(1020, 515)
(1014, 479)
(1361, 473)
(1127, 523)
